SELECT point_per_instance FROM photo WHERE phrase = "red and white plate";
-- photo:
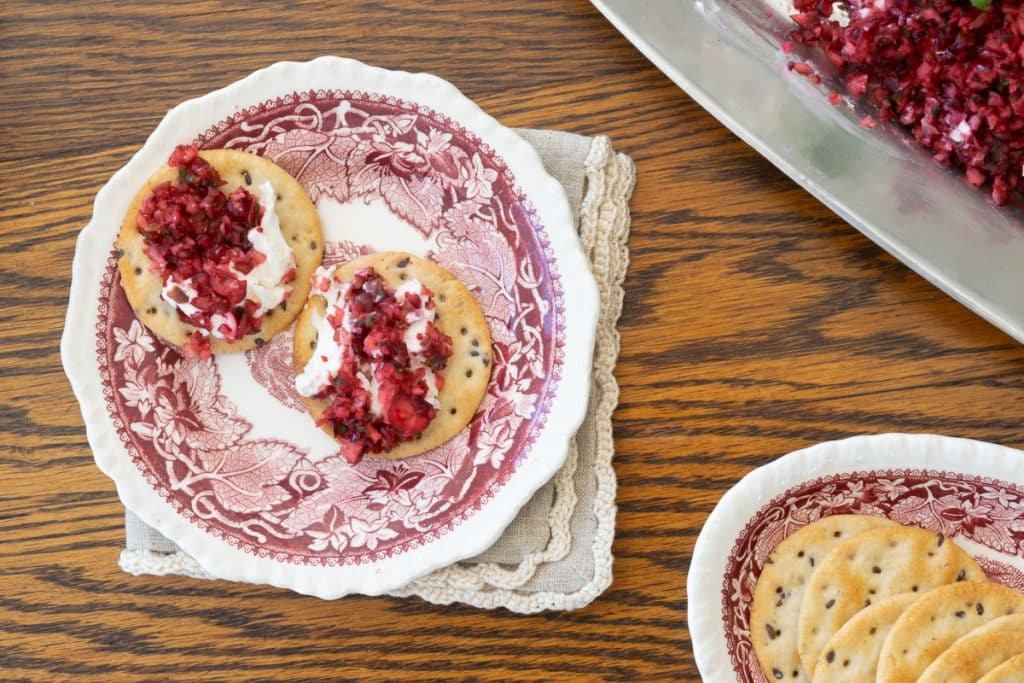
(220, 456)
(971, 491)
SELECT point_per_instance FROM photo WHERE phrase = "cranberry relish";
(385, 390)
(951, 72)
(197, 240)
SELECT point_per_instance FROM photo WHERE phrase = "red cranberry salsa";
(952, 71)
(222, 258)
(377, 361)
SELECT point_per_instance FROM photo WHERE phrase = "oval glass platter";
(726, 54)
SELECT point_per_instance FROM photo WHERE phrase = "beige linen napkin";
(556, 554)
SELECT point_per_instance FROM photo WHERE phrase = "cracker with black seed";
(779, 591)
(933, 623)
(870, 567)
(300, 225)
(468, 371)
(852, 654)
(1008, 622)
(970, 658)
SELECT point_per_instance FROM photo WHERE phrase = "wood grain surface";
(756, 322)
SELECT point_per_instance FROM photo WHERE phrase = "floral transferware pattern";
(981, 509)
(268, 496)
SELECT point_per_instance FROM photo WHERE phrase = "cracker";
(934, 622)
(869, 567)
(1010, 671)
(775, 610)
(458, 315)
(852, 654)
(970, 658)
(300, 225)
(1009, 622)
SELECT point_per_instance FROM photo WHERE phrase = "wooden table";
(755, 323)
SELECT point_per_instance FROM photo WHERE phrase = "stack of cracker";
(858, 598)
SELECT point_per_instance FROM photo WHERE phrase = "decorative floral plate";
(971, 491)
(220, 456)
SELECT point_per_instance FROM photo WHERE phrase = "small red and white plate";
(969, 490)
(220, 456)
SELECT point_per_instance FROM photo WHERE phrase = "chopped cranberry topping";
(196, 234)
(197, 346)
(950, 72)
(375, 319)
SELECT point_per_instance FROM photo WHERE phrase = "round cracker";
(852, 654)
(458, 315)
(1010, 671)
(300, 225)
(775, 611)
(869, 567)
(933, 623)
(970, 658)
(1008, 622)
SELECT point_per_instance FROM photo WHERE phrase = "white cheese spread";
(329, 352)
